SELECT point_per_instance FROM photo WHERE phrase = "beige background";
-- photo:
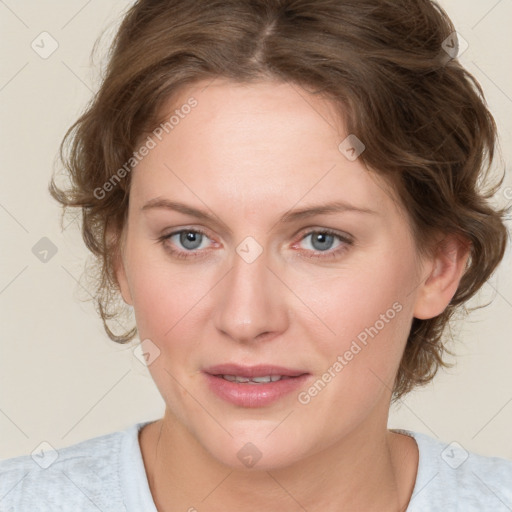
(61, 379)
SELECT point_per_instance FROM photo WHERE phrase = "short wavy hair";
(389, 67)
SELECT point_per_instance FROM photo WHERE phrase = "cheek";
(167, 305)
(166, 302)
(368, 311)
(165, 296)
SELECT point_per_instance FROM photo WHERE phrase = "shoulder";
(452, 478)
(78, 475)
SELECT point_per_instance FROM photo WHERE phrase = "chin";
(256, 448)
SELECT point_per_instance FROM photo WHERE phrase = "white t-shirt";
(107, 474)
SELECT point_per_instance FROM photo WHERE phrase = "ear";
(119, 265)
(446, 268)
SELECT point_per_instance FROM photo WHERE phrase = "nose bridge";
(251, 301)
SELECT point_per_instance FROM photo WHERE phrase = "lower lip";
(254, 395)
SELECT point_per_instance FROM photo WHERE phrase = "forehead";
(262, 143)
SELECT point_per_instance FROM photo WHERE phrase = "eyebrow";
(288, 217)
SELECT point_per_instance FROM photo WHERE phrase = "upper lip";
(260, 370)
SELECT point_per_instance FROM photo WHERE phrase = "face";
(329, 293)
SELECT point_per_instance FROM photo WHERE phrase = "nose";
(251, 301)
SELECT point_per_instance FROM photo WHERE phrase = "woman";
(285, 192)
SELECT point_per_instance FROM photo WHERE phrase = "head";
(251, 112)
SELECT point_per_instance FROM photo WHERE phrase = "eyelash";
(325, 255)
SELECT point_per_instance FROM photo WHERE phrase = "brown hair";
(420, 114)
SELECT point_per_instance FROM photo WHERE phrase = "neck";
(369, 469)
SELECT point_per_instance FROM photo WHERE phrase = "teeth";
(234, 378)
(253, 380)
(267, 378)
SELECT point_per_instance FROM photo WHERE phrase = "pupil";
(189, 237)
(323, 238)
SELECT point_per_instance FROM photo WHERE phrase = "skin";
(247, 154)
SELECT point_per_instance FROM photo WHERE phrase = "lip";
(260, 370)
(253, 395)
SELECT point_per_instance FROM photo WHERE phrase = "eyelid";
(177, 231)
(345, 239)
(318, 229)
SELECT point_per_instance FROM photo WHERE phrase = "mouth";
(253, 386)
(265, 379)
(262, 373)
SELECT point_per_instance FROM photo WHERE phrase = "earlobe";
(446, 269)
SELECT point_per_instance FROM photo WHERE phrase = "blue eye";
(322, 241)
(192, 239)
